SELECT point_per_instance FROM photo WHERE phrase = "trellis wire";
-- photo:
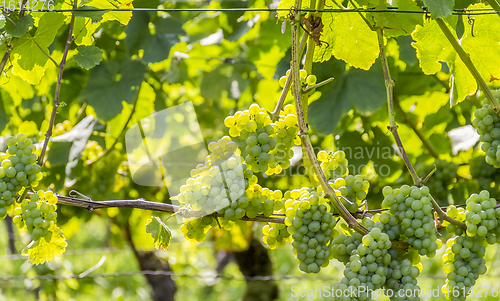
(199, 276)
(469, 12)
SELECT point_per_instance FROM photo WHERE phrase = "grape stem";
(444, 217)
(276, 113)
(306, 142)
(6, 55)
(69, 40)
(310, 88)
(389, 86)
(468, 63)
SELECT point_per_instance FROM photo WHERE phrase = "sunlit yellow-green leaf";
(42, 251)
(160, 232)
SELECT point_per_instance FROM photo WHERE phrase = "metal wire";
(199, 276)
(469, 12)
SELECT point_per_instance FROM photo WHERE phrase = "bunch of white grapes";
(487, 124)
(412, 208)
(312, 227)
(463, 263)
(38, 214)
(367, 266)
(266, 145)
(18, 169)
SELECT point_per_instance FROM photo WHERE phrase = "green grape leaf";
(110, 83)
(95, 16)
(42, 251)
(439, 8)
(21, 25)
(58, 153)
(88, 57)
(482, 48)
(4, 118)
(156, 46)
(29, 60)
(288, 4)
(359, 89)
(121, 16)
(160, 233)
(350, 39)
(397, 24)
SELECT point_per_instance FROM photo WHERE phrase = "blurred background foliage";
(222, 62)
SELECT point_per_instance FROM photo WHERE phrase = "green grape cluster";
(487, 124)
(333, 164)
(266, 145)
(368, 265)
(481, 217)
(463, 263)
(196, 228)
(343, 245)
(305, 80)
(401, 278)
(18, 169)
(487, 176)
(412, 208)
(351, 191)
(442, 180)
(224, 184)
(220, 183)
(312, 228)
(38, 214)
(275, 235)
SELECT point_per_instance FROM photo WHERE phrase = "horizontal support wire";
(199, 276)
(470, 12)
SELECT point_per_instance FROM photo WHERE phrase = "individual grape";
(311, 80)
(282, 81)
(442, 180)
(487, 125)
